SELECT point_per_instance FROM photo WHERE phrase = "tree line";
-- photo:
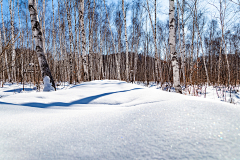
(83, 40)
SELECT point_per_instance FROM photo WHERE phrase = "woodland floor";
(112, 119)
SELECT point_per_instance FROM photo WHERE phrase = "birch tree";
(154, 28)
(172, 44)
(84, 54)
(69, 9)
(91, 39)
(101, 45)
(21, 35)
(43, 29)
(54, 38)
(11, 9)
(1, 55)
(193, 37)
(117, 62)
(37, 36)
(5, 41)
(126, 39)
(183, 46)
(222, 9)
(203, 55)
(222, 12)
(60, 41)
(137, 23)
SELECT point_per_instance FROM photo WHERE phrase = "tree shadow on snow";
(86, 100)
(93, 84)
(19, 90)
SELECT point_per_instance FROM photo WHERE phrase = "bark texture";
(11, 9)
(5, 41)
(37, 35)
(126, 40)
(84, 54)
(117, 62)
(172, 44)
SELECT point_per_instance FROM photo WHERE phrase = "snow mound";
(111, 119)
(47, 85)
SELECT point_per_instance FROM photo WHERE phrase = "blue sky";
(162, 8)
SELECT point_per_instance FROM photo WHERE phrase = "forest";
(119, 79)
(83, 40)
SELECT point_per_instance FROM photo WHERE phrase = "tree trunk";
(117, 62)
(68, 8)
(76, 58)
(66, 64)
(91, 40)
(84, 54)
(222, 16)
(183, 51)
(136, 53)
(192, 45)
(126, 39)
(5, 41)
(21, 35)
(172, 44)
(155, 38)
(61, 67)
(37, 35)
(100, 68)
(204, 61)
(11, 8)
(2, 58)
(43, 30)
(54, 42)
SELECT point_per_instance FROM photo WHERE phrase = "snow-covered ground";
(112, 119)
(218, 93)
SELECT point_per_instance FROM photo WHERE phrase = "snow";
(47, 85)
(112, 119)
(217, 93)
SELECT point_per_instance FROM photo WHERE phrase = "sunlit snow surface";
(115, 120)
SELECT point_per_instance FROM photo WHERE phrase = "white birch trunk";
(204, 60)
(77, 74)
(126, 39)
(43, 30)
(91, 41)
(172, 44)
(136, 54)
(145, 53)
(183, 51)
(117, 62)
(21, 35)
(101, 44)
(11, 9)
(66, 64)
(119, 42)
(192, 45)
(179, 33)
(155, 38)
(60, 41)
(225, 45)
(84, 54)
(79, 54)
(2, 58)
(37, 35)
(68, 8)
(54, 41)
(5, 41)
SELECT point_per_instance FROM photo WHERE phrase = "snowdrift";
(112, 119)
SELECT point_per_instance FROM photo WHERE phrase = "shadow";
(93, 84)
(19, 90)
(86, 100)
(237, 96)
